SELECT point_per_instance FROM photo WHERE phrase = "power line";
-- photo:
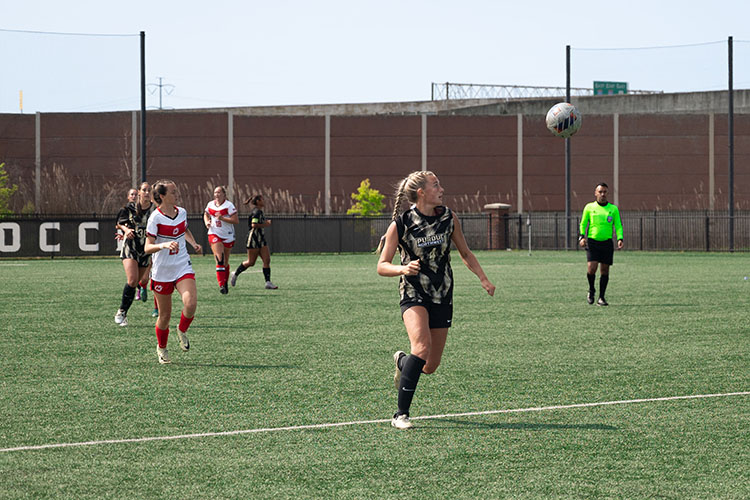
(67, 34)
(161, 86)
(652, 48)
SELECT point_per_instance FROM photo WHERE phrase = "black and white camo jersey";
(256, 238)
(129, 217)
(427, 239)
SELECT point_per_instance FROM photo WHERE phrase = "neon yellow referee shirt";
(600, 220)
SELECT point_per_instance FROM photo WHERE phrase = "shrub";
(369, 202)
(6, 191)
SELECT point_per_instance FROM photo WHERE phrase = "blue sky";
(280, 52)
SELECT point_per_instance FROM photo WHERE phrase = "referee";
(599, 217)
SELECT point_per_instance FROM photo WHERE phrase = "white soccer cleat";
(397, 376)
(270, 286)
(120, 316)
(124, 321)
(233, 279)
(163, 355)
(184, 342)
(401, 422)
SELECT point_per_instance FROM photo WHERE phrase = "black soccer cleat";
(601, 302)
(590, 296)
(223, 289)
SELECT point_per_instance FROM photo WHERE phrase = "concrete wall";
(652, 161)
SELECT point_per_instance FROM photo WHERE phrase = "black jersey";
(130, 217)
(256, 238)
(427, 239)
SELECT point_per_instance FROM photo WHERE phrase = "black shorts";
(129, 251)
(440, 315)
(600, 251)
(256, 240)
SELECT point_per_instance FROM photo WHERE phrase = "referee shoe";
(601, 302)
(590, 296)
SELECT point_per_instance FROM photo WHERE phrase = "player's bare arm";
(190, 239)
(468, 257)
(385, 263)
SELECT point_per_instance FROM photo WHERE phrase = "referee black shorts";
(600, 251)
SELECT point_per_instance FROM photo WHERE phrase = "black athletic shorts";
(440, 315)
(600, 251)
(256, 240)
(129, 251)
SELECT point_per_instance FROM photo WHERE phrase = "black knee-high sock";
(128, 294)
(267, 273)
(240, 269)
(592, 280)
(603, 280)
(411, 370)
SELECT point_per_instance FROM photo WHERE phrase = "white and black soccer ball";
(563, 119)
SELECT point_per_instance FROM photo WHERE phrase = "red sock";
(143, 285)
(185, 322)
(220, 276)
(162, 336)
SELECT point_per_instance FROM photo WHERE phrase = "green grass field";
(318, 351)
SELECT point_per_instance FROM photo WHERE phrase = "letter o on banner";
(15, 237)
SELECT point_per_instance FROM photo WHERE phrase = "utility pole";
(163, 87)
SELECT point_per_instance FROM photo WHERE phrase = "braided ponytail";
(407, 188)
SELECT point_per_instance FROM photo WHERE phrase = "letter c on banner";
(15, 237)
(43, 245)
(82, 227)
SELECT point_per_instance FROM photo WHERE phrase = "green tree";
(368, 201)
(6, 191)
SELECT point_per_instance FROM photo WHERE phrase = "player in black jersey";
(423, 235)
(131, 220)
(256, 243)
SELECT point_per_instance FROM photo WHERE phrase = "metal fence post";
(708, 235)
(520, 232)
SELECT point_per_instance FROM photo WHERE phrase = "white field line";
(365, 422)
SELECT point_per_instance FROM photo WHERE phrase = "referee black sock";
(412, 369)
(267, 273)
(128, 294)
(240, 269)
(603, 280)
(592, 280)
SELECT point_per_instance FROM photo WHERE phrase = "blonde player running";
(220, 217)
(166, 233)
(423, 235)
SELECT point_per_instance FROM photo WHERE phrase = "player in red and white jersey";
(166, 234)
(220, 217)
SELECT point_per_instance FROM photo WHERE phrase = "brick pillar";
(498, 222)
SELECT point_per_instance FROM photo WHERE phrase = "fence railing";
(33, 236)
(670, 231)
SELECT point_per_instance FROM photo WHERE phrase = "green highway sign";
(610, 88)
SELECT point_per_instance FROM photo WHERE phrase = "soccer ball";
(563, 119)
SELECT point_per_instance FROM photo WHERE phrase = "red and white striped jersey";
(167, 265)
(222, 230)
